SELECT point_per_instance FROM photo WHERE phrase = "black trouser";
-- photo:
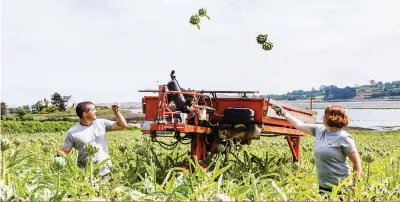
(323, 190)
(106, 176)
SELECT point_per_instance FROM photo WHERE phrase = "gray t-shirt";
(331, 151)
(79, 135)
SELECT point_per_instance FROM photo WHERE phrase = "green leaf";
(218, 172)
(240, 191)
(279, 190)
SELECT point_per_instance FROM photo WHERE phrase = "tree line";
(386, 89)
(45, 106)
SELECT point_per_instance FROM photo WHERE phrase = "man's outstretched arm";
(121, 122)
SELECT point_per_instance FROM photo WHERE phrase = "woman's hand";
(279, 110)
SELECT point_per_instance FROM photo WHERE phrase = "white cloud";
(106, 50)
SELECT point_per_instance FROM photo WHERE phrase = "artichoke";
(117, 193)
(131, 165)
(59, 163)
(267, 46)
(122, 147)
(203, 13)
(46, 148)
(92, 148)
(195, 20)
(221, 148)
(179, 181)
(261, 38)
(369, 157)
(220, 197)
(53, 142)
(5, 144)
(17, 142)
(312, 160)
(239, 148)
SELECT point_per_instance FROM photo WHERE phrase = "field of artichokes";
(142, 170)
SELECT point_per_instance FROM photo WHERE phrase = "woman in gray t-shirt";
(332, 145)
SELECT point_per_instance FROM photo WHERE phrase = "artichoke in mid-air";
(203, 13)
(267, 46)
(195, 20)
(261, 38)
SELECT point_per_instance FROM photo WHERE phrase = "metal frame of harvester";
(199, 115)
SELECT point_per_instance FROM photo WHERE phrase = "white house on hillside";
(68, 102)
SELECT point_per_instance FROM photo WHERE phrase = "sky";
(107, 50)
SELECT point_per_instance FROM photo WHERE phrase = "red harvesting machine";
(202, 119)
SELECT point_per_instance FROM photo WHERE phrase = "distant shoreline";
(382, 128)
(372, 108)
(346, 100)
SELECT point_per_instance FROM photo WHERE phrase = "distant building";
(68, 101)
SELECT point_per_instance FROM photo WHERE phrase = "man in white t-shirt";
(91, 129)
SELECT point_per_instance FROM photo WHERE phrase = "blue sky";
(105, 51)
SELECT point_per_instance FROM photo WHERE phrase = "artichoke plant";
(92, 148)
(203, 13)
(369, 157)
(59, 163)
(117, 193)
(221, 148)
(5, 144)
(220, 197)
(17, 142)
(122, 147)
(195, 20)
(46, 148)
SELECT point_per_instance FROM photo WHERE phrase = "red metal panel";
(256, 104)
(151, 107)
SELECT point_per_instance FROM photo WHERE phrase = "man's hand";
(58, 153)
(279, 110)
(115, 108)
(62, 152)
(121, 122)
